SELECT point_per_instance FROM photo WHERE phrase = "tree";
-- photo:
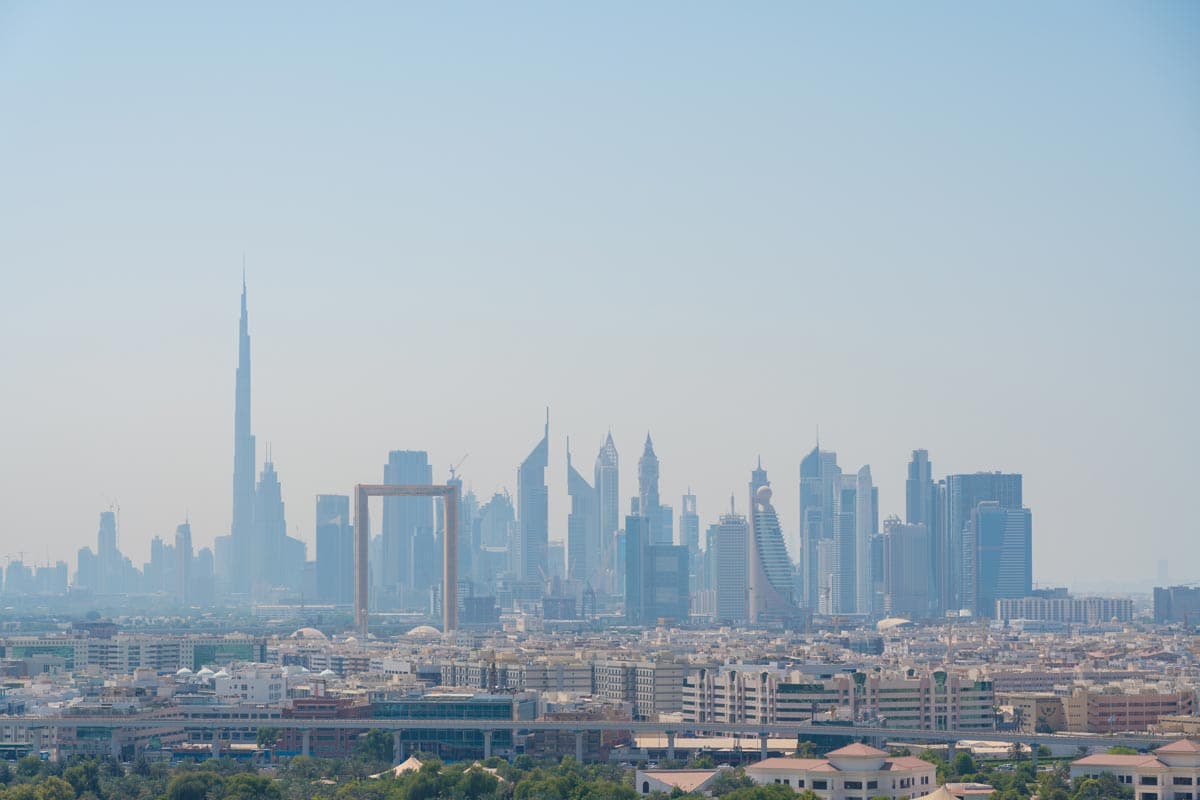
(376, 745)
(474, 783)
(1121, 750)
(251, 787)
(193, 785)
(55, 788)
(963, 764)
(268, 737)
(806, 749)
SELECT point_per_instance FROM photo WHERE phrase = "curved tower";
(770, 567)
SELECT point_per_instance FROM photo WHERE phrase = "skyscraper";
(242, 528)
(918, 489)
(183, 563)
(689, 536)
(865, 522)
(732, 578)
(407, 522)
(819, 474)
(906, 571)
(583, 526)
(843, 581)
(1002, 542)
(648, 500)
(656, 576)
(278, 559)
(335, 549)
(533, 524)
(963, 493)
(608, 495)
(769, 568)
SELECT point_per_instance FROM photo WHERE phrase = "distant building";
(963, 494)
(1001, 540)
(769, 569)
(1070, 610)
(608, 496)
(529, 545)
(649, 505)
(819, 475)
(1177, 604)
(335, 549)
(732, 567)
(583, 528)
(407, 531)
(907, 577)
(656, 577)
(1099, 710)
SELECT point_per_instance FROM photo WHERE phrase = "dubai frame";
(362, 525)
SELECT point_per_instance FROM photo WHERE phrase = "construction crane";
(454, 467)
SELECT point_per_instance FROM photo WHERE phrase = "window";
(872, 784)
(1148, 780)
(852, 784)
(645, 787)
(1184, 781)
(820, 784)
(1183, 796)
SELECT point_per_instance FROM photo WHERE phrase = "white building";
(250, 684)
(854, 772)
(1172, 772)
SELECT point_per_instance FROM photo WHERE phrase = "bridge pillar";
(114, 746)
(216, 743)
(306, 743)
(671, 745)
(579, 746)
(487, 744)
(949, 751)
(1033, 754)
(762, 747)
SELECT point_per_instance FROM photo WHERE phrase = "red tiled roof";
(857, 750)
(1111, 760)
(1181, 746)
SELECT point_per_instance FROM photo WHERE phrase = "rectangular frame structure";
(362, 525)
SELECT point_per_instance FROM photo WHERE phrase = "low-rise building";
(1172, 772)
(854, 772)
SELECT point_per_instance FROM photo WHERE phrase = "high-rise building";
(866, 522)
(906, 570)
(183, 563)
(242, 529)
(656, 576)
(1001, 540)
(769, 569)
(689, 524)
(918, 489)
(583, 527)
(407, 529)
(335, 549)
(843, 581)
(648, 500)
(963, 493)
(732, 567)
(819, 474)
(608, 495)
(268, 552)
(533, 524)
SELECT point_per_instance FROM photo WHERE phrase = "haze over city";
(731, 232)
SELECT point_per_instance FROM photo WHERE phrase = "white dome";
(204, 673)
(424, 632)
(328, 673)
(183, 672)
(310, 633)
(221, 674)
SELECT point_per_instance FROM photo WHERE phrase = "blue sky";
(965, 227)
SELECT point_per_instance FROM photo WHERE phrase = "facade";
(866, 525)
(819, 476)
(656, 576)
(335, 549)
(1069, 610)
(1180, 604)
(907, 577)
(649, 504)
(126, 652)
(1097, 710)
(608, 495)
(1172, 772)
(533, 531)
(583, 528)
(770, 569)
(843, 581)
(407, 530)
(456, 745)
(854, 772)
(963, 494)
(732, 568)
(1001, 540)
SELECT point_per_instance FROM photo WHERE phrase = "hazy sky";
(973, 228)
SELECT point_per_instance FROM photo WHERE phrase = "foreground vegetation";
(304, 778)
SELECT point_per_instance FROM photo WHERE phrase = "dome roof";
(310, 633)
(221, 674)
(328, 673)
(205, 672)
(424, 632)
(183, 672)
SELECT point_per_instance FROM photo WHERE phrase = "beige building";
(1171, 772)
(854, 772)
(1105, 711)
(1036, 712)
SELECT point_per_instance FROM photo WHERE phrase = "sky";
(971, 228)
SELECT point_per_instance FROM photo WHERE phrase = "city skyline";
(727, 230)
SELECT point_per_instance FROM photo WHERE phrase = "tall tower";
(864, 532)
(918, 489)
(270, 530)
(648, 501)
(770, 569)
(963, 493)
(533, 499)
(689, 524)
(583, 526)
(242, 528)
(732, 584)
(183, 563)
(407, 525)
(820, 476)
(608, 497)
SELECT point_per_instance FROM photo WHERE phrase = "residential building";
(854, 771)
(1171, 772)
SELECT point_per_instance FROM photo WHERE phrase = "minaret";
(242, 529)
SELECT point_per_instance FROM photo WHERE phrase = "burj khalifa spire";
(242, 529)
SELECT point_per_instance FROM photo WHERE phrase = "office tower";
(918, 489)
(648, 501)
(708, 578)
(769, 569)
(583, 526)
(533, 524)
(108, 557)
(497, 521)
(963, 493)
(203, 576)
(242, 528)
(819, 473)
(1002, 542)
(335, 549)
(732, 567)
(268, 568)
(183, 563)
(689, 524)
(608, 494)
(656, 576)
(556, 561)
(666, 525)
(906, 570)
(406, 521)
(844, 564)
(866, 521)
